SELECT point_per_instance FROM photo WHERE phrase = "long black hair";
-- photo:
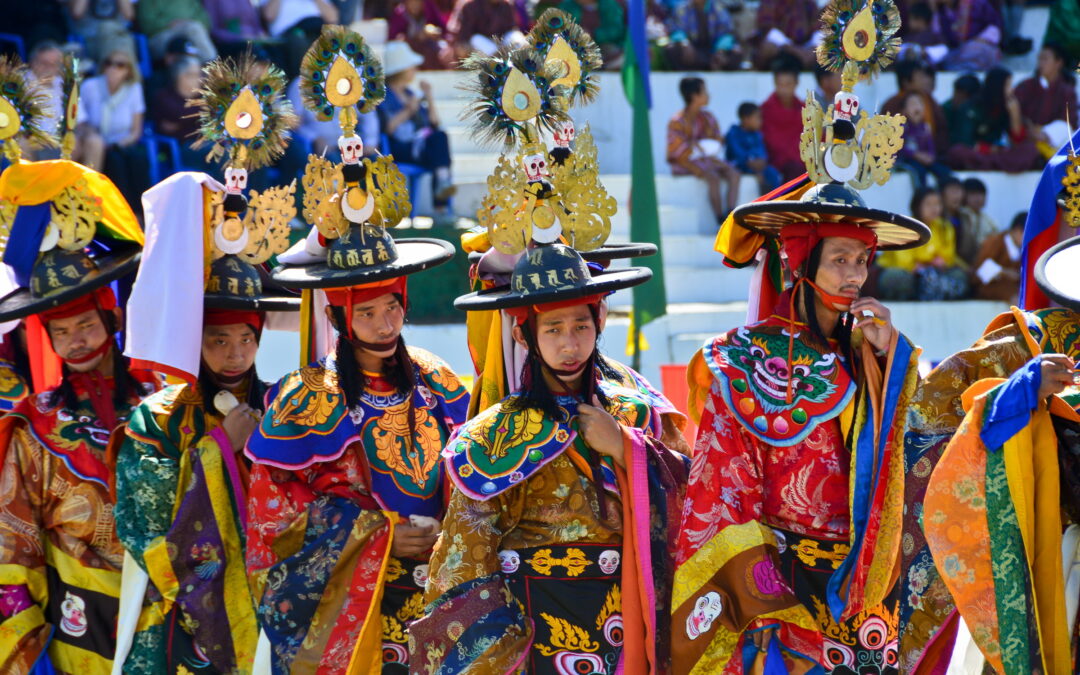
(842, 332)
(398, 369)
(124, 385)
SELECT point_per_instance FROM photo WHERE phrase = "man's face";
(785, 85)
(976, 201)
(47, 64)
(229, 351)
(566, 339)
(379, 321)
(77, 336)
(843, 268)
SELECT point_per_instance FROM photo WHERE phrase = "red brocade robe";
(816, 482)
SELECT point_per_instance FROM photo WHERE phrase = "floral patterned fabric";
(12, 387)
(60, 558)
(807, 492)
(179, 494)
(483, 616)
(328, 485)
(933, 418)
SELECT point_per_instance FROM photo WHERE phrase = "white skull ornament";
(609, 561)
(845, 106)
(509, 561)
(535, 166)
(706, 609)
(564, 134)
(420, 575)
(352, 149)
(73, 610)
(235, 180)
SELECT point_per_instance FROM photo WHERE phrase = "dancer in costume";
(181, 479)
(347, 491)
(789, 546)
(562, 488)
(71, 234)
(931, 623)
(1001, 513)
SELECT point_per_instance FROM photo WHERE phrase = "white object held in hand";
(225, 401)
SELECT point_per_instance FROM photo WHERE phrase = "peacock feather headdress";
(340, 70)
(243, 112)
(515, 96)
(70, 79)
(22, 108)
(576, 57)
(859, 38)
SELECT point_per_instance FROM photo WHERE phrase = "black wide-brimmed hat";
(551, 273)
(266, 296)
(365, 254)
(1057, 273)
(833, 203)
(605, 253)
(60, 276)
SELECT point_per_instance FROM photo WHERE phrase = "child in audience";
(695, 147)
(930, 272)
(918, 156)
(978, 225)
(745, 147)
(996, 272)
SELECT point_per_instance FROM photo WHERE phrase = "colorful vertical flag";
(1043, 224)
(650, 299)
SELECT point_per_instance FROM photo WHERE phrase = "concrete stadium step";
(705, 284)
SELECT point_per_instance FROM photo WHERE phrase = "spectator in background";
(297, 23)
(918, 155)
(781, 116)
(1001, 136)
(962, 111)
(694, 147)
(112, 105)
(423, 26)
(412, 123)
(605, 21)
(973, 31)
(1048, 100)
(702, 37)
(923, 41)
(786, 27)
(171, 115)
(828, 85)
(978, 226)
(932, 271)
(745, 146)
(917, 76)
(162, 20)
(1063, 28)
(996, 272)
(100, 22)
(46, 60)
(234, 24)
(484, 25)
(952, 201)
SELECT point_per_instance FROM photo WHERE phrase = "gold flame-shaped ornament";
(244, 119)
(9, 120)
(343, 84)
(1071, 184)
(567, 64)
(263, 231)
(520, 98)
(860, 35)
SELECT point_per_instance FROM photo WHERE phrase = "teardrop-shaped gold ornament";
(569, 65)
(860, 35)
(71, 113)
(520, 98)
(9, 120)
(343, 84)
(244, 119)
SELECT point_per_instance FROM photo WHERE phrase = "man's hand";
(875, 320)
(239, 424)
(1058, 372)
(600, 430)
(411, 541)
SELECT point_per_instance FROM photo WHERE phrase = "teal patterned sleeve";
(146, 477)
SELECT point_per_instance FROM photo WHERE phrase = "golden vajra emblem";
(574, 561)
